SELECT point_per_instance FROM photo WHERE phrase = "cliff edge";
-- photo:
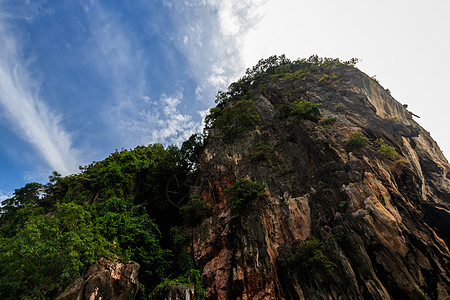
(356, 194)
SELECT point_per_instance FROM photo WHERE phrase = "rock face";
(105, 280)
(381, 224)
(176, 292)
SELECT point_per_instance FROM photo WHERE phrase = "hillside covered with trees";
(309, 181)
(115, 208)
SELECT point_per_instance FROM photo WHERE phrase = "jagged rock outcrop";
(381, 224)
(105, 280)
(176, 292)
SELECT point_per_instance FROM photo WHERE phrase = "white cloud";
(4, 195)
(117, 55)
(167, 3)
(170, 104)
(146, 98)
(38, 174)
(225, 37)
(208, 33)
(175, 127)
(160, 123)
(27, 114)
(112, 50)
(117, 58)
(216, 31)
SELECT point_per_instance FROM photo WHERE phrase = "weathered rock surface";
(105, 280)
(176, 292)
(385, 222)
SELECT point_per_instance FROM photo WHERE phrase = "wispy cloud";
(122, 60)
(28, 115)
(4, 195)
(174, 124)
(161, 122)
(211, 35)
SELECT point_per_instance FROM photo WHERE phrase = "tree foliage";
(243, 193)
(304, 109)
(115, 208)
(275, 67)
(195, 210)
(310, 259)
(356, 140)
(49, 251)
(384, 149)
(235, 119)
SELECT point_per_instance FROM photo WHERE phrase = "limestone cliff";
(105, 280)
(377, 225)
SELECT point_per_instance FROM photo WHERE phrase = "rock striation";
(105, 280)
(335, 222)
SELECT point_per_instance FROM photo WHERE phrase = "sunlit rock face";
(105, 280)
(335, 222)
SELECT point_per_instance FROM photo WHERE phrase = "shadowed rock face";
(175, 292)
(384, 223)
(105, 280)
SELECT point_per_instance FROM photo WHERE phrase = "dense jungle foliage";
(117, 208)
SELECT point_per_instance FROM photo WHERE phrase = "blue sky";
(81, 78)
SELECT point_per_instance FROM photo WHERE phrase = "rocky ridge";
(335, 222)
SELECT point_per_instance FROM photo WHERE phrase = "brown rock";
(175, 292)
(385, 225)
(105, 280)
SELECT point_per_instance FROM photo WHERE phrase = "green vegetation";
(322, 187)
(191, 277)
(356, 141)
(191, 148)
(401, 161)
(310, 259)
(276, 68)
(343, 205)
(332, 77)
(304, 109)
(338, 232)
(195, 210)
(235, 112)
(243, 193)
(116, 208)
(48, 252)
(283, 172)
(328, 122)
(384, 149)
(296, 69)
(260, 151)
(299, 74)
(235, 119)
